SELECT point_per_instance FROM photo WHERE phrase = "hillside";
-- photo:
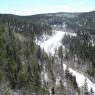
(46, 54)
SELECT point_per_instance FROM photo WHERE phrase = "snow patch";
(52, 44)
(49, 45)
(46, 77)
(58, 81)
(80, 78)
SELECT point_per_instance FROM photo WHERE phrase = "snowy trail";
(53, 43)
(80, 78)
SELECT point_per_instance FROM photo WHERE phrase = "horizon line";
(47, 13)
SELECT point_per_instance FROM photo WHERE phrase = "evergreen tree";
(91, 92)
(53, 91)
(86, 88)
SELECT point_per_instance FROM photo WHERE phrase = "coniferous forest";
(27, 69)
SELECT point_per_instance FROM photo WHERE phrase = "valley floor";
(52, 44)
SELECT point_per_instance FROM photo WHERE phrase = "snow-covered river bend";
(53, 43)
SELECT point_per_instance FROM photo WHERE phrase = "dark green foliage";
(72, 78)
(53, 91)
(18, 62)
(81, 47)
(60, 52)
(91, 92)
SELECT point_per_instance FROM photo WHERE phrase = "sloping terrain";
(47, 54)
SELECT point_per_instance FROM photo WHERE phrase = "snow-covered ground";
(80, 78)
(53, 43)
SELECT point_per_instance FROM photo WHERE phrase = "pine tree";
(86, 88)
(53, 91)
(91, 92)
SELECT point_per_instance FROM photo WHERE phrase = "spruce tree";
(86, 88)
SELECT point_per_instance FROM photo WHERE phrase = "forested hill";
(80, 20)
(25, 67)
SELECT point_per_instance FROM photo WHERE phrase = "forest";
(26, 69)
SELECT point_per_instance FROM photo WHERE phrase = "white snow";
(80, 78)
(50, 92)
(58, 81)
(46, 77)
(53, 43)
